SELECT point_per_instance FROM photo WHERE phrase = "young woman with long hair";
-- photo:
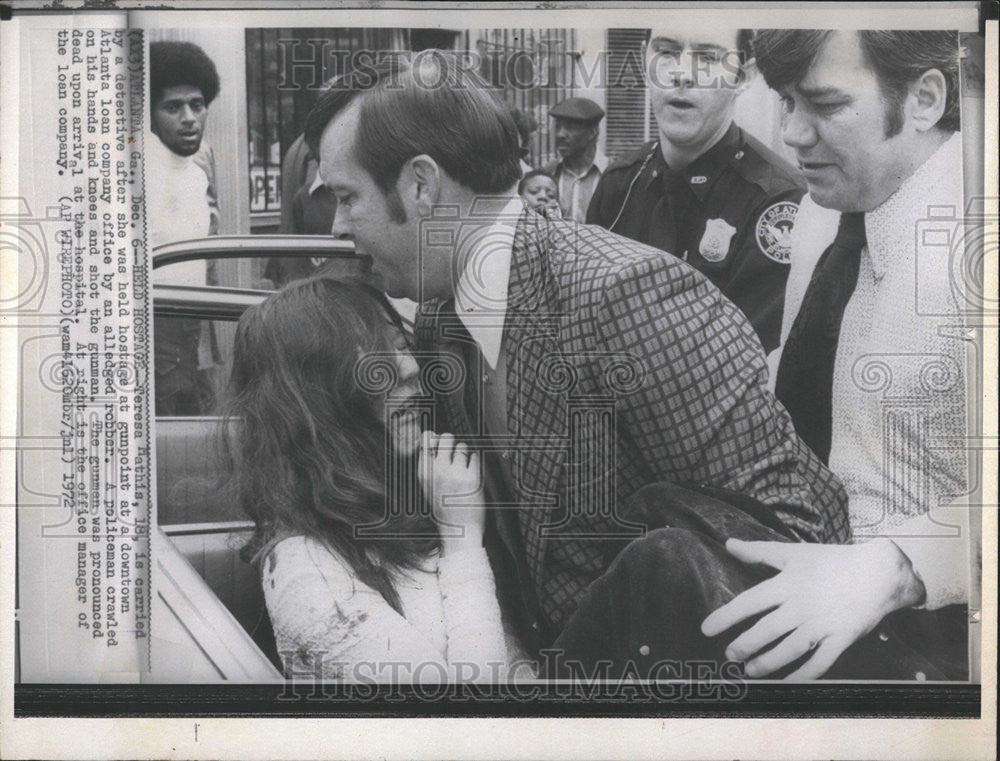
(305, 440)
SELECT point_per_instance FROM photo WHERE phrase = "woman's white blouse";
(330, 626)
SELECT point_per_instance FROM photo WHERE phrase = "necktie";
(805, 375)
(670, 213)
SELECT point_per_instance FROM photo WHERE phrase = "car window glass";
(259, 272)
(191, 359)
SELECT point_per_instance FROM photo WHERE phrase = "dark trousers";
(642, 618)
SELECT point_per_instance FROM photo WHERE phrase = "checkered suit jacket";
(625, 367)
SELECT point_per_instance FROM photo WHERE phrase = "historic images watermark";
(664, 681)
(302, 62)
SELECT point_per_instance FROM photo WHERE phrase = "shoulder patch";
(774, 230)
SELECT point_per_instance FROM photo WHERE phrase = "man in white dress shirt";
(872, 365)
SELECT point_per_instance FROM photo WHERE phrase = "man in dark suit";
(586, 366)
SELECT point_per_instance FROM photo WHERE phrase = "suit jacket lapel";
(537, 414)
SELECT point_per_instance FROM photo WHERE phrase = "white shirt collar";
(889, 228)
(317, 183)
(481, 289)
(600, 162)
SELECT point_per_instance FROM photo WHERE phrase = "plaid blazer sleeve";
(704, 413)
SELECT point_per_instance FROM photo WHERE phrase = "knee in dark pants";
(648, 607)
(672, 550)
(651, 571)
(676, 578)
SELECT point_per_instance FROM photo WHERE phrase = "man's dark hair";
(181, 63)
(744, 46)
(784, 56)
(424, 105)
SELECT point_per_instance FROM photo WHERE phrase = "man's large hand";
(824, 599)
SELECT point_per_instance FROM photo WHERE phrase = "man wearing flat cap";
(581, 165)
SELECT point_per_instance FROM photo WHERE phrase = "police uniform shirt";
(729, 214)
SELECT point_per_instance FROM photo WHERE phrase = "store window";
(286, 69)
(630, 120)
(536, 68)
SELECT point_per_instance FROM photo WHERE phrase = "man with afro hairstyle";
(181, 204)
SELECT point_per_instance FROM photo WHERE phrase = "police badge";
(715, 242)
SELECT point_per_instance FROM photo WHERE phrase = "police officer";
(579, 168)
(706, 191)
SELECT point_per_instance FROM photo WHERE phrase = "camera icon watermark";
(33, 242)
(954, 247)
(477, 248)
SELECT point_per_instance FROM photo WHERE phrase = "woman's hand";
(451, 477)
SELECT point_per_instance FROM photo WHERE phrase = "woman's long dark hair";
(303, 447)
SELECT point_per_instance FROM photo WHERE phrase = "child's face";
(540, 192)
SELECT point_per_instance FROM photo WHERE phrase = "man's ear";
(928, 97)
(420, 183)
(748, 73)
